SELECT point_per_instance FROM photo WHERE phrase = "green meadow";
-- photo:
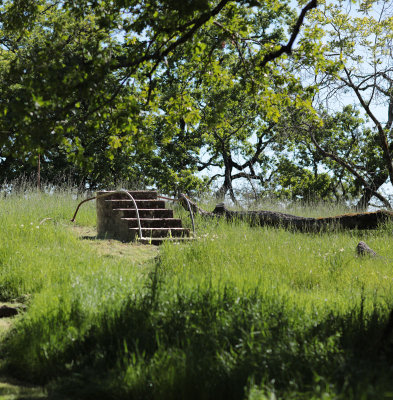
(239, 313)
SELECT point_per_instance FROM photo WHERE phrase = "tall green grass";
(241, 312)
(43, 260)
(36, 248)
(318, 269)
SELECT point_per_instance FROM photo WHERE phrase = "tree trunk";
(368, 192)
(227, 185)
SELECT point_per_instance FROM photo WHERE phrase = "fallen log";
(365, 220)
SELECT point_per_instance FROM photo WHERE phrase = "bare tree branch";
(288, 47)
(349, 168)
(124, 61)
(381, 132)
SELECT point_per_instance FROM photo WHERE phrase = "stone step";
(136, 194)
(158, 241)
(161, 232)
(144, 212)
(154, 222)
(116, 217)
(140, 203)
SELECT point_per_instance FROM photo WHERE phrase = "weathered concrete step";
(160, 232)
(144, 212)
(136, 194)
(158, 241)
(154, 222)
(140, 203)
(116, 217)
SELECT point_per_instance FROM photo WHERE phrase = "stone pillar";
(104, 217)
(109, 223)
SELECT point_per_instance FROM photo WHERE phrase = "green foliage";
(133, 91)
(177, 94)
(357, 63)
(297, 183)
(327, 149)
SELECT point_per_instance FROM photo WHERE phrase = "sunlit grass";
(36, 248)
(240, 312)
(315, 269)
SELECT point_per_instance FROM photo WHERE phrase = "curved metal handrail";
(136, 212)
(183, 196)
(107, 195)
(190, 211)
(84, 201)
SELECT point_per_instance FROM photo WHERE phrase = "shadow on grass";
(89, 238)
(202, 344)
(10, 389)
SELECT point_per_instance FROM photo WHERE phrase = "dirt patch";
(134, 252)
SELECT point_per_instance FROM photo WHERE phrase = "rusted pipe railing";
(190, 211)
(136, 212)
(107, 195)
(183, 196)
(84, 201)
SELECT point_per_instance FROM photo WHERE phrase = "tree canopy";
(357, 50)
(183, 95)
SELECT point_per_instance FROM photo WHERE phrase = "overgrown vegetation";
(196, 96)
(291, 99)
(240, 313)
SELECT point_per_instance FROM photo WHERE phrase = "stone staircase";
(117, 218)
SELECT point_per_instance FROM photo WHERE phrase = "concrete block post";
(109, 223)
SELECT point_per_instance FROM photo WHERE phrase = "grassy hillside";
(240, 313)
